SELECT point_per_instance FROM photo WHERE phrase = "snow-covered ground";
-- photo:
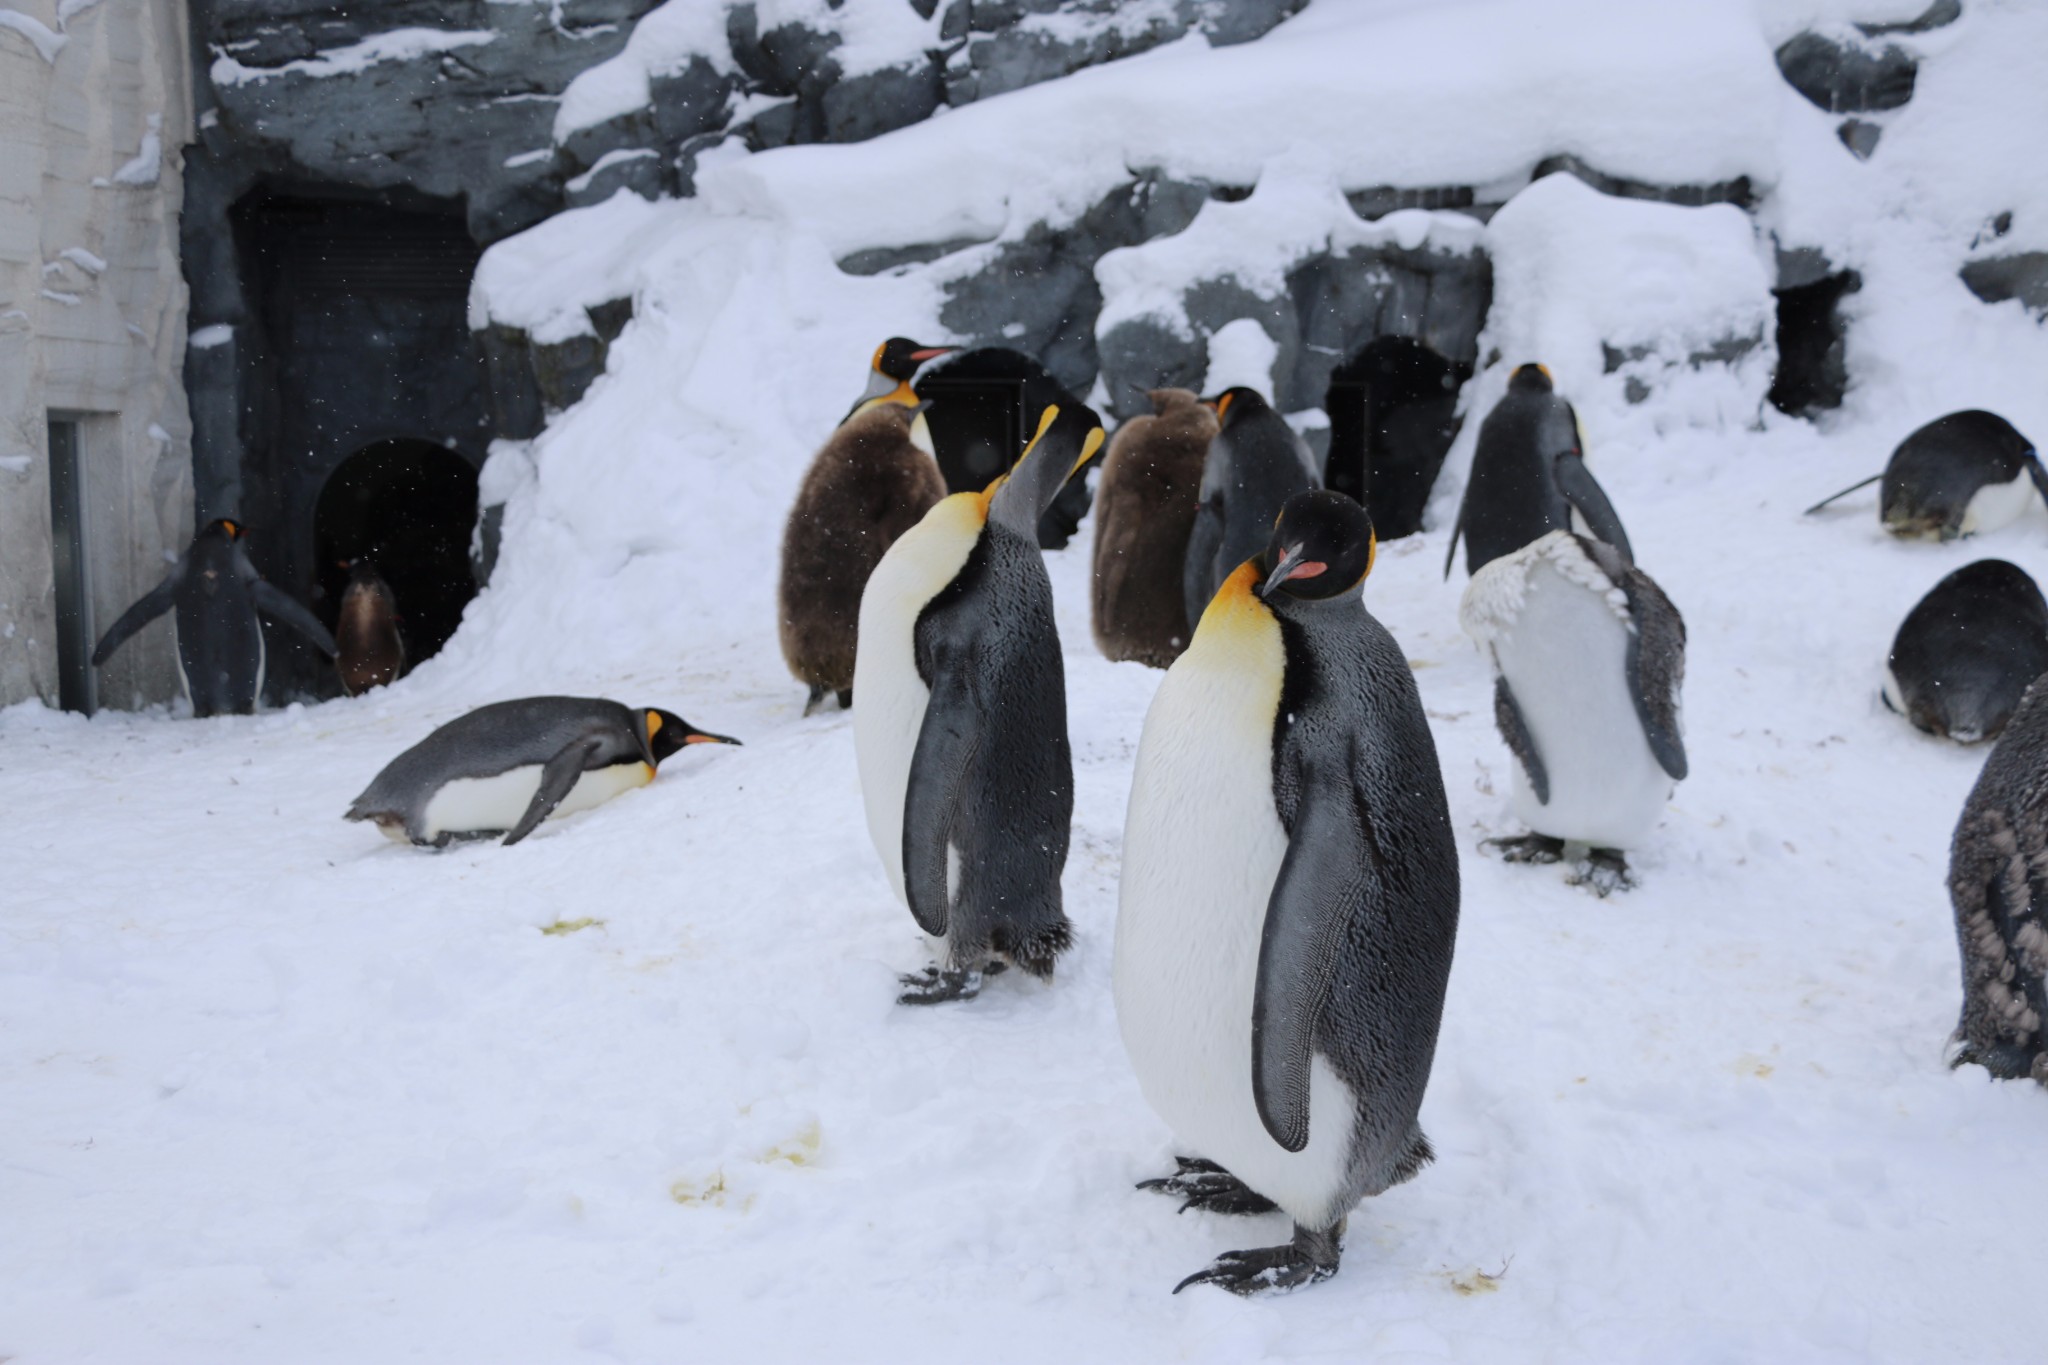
(272, 1089)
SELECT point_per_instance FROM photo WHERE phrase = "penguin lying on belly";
(1967, 651)
(1588, 655)
(961, 731)
(1958, 475)
(1289, 900)
(504, 768)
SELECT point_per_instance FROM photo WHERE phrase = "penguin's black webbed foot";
(1310, 1257)
(845, 695)
(1605, 871)
(2005, 1061)
(1206, 1186)
(816, 699)
(937, 985)
(1527, 848)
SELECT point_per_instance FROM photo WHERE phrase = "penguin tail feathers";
(1413, 1158)
(1034, 949)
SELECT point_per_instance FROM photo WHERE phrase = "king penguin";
(1958, 475)
(1255, 463)
(1967, 651)
(1289, 900)
(214, 593)
(1144, 510)
(1998, 886)
(1529, 477)
(872, 481)
(504, 768)
(961, 731)
(371, 647)
(1588, 656)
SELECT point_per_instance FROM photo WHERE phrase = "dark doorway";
(985, 404)
(409, 507)
(1393, 415)
(77, 686)
(1812, 374)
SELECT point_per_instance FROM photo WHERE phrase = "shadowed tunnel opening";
(1812, 373)
(1393, 416)
(409, 507)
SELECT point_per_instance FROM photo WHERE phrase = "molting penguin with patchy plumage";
(1255, 463)
(961, 731)
(1958, 475)
(214, 594)
(1144, 510)
(872, 481)
(1588, 656)
(1967, 651)
(504, 768)
(370, 648)
(1529, 477)
(1998, 887)
(1289, 900)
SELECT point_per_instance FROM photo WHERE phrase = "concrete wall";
(94, 107)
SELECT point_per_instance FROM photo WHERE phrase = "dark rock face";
(1003, 52)
(2022, 275)
(1848, 75)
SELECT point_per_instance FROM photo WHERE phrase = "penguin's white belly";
(469, 804)
(889, 698)
(1565, 656)
(1202, 847)
(1996, 505)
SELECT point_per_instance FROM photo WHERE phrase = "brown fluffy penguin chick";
(868, 486)
(1144, 508)
(371, 651)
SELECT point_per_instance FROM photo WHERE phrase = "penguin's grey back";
(1252, 468)
(1144, 512)
(1968, 650)
(1937, 472)
(1511, 495)
(494, 739)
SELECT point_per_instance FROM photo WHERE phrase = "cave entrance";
(409, 507)
(1393, 416)
(1812, 374)
(985, 404)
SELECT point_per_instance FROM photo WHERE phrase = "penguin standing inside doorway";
(371, 649)
(1289, 900)
(213, 594)
(1967, 651)
(1255, 463)
(872, 481)
(1958, 475)
(1998, 887)
(961, 731)
(1144, 510)
(1529, 477)
(1588, 656)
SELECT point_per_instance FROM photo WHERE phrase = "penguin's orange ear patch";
(653, 725)
(876, 363)
(1223, 405)
(232, 529)
(1372, 552)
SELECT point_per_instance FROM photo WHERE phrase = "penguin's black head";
(1232, 405)
(665, 732)
(899, 357)
(1530, 379)
(1322, 547)
(222, 528)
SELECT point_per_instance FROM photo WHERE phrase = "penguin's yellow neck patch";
(1235, 616)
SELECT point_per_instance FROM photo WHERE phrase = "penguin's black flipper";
(1656, 658)
(1205, 538)
(557, 779)
(1860, 483)
(938, 769)
(1584, 493)
(1457, 529)
(281, 607)
(2037, 474)
(147, 608)
(1508, 716)
(1330, 872)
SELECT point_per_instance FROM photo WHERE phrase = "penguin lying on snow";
(1958, 475)
(1289, 900)
(504, 768)
(1255, 463)
(961, 732)
(1144, 510)
(1528, 477)
(1967, 651)
(214, 593)
(371, 651)
(873, 480)
(1998, 886)
(1588, 655)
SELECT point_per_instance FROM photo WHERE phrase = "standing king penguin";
(961, 731)
(1529, 477)
(872, 481)
(1144, 510)
(1289, 900)
(214, 593)
(1254, 465)
(1588, 655)
(1998, 886)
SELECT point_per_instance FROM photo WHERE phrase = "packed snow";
(636, 1089)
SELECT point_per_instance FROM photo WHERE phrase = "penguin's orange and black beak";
(931, 353)
(694, 737)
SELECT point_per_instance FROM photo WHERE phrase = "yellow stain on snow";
(570, 926)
